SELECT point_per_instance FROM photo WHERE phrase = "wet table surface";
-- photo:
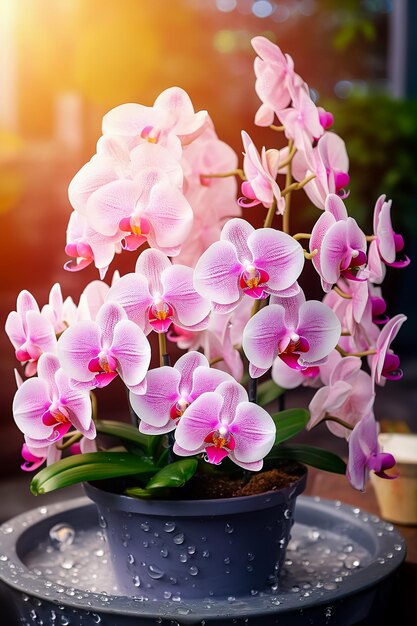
(403, 607)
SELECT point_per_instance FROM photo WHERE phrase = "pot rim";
(196, 508)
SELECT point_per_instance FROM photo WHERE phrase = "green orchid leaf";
(145, 494)
(128, 433)
(174, 475)
(268, 392)
(315, 457)
(91, 466)
(289, 423)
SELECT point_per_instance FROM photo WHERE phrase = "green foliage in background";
(381, 140)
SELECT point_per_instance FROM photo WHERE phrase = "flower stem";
(238, 172)
(253, 389)
(331, 418)
(73, 439)
(310, 255)
(288, 180)
(279, 129)
(341, 293)
(289, 158)
(163, 355)
(289, 187)
(360, 354)
(218, 359)
(271, 213)
(299, 236)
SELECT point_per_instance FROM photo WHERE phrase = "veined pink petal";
(170, 216)
(238, 231)
(336, 207)
(187, 365)
(162, 393)
(95, 294)
(286, 377)
(217, 272)
(48, 366)
(109, 315)
(14, 329)
(262, 334)
(151, 264)
(77, 346)
(132, 351)
(30, 402)
(148, 429)
(233, 394)
(376, 267)
(264, 116)
(320, 326)
(190, 307)
(385, 234)
(279, 255)
(132, 293)
(199, 419)
(181, 119)
(107, 206)
(93, 175)
(327, 400)
(333, 251)
(207, 379)
(254, 432)
(127, 119)
(386, 337)
(291, 306)
(154, 156)
(78, 404)
(321, 227)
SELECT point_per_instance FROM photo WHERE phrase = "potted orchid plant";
(201, 446)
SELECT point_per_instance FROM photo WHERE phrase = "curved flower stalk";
(170, 390)
(261, 172)
(46, 407)
(340, 244)
(329, 161)
(348, 394)
(93, 353)
(302, 333)
(224, 424)
(387, 243)
(30, 332)
(249, 262)
(365, 454)
(159, 294)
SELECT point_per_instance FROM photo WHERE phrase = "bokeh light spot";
(225, 41)
(262, 8)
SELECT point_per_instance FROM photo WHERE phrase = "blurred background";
(64, 63)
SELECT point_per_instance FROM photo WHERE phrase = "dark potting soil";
(204, 486)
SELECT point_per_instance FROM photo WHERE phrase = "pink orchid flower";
(120, 158)
(330, 164)
(171, 116)
(340, 244)
(159, 294)
(248, 262)
(274, 76)
(30, 333)
(170, 390)
(46, 407)
(301, 120)
(261, 172)
(223, 423)
(86, 246)
(326, 118)
(385, 364)
(34, 456)
(348, 394)
(147, 208)
(387, 243)
(287, 377)
(365, 454)
(93, 353)
(302, 333)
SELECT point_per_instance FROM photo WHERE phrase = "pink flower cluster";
(215, 286)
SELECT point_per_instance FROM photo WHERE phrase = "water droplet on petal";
(193, 570)
(287, 513)
(179, 539)
(130, 559)
(136, 581)
(191, 549)
(145, 527)
(164, 552)
(167, 595)
(183, 558)
(228, 529)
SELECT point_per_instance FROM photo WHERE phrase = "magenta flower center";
(219, 443)
(177, 409)
(253, 282)
(160, 315)
(291, 353)
(103, 363)
(150, 134)
(136, 225)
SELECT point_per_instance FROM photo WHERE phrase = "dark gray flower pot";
(201, 548)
